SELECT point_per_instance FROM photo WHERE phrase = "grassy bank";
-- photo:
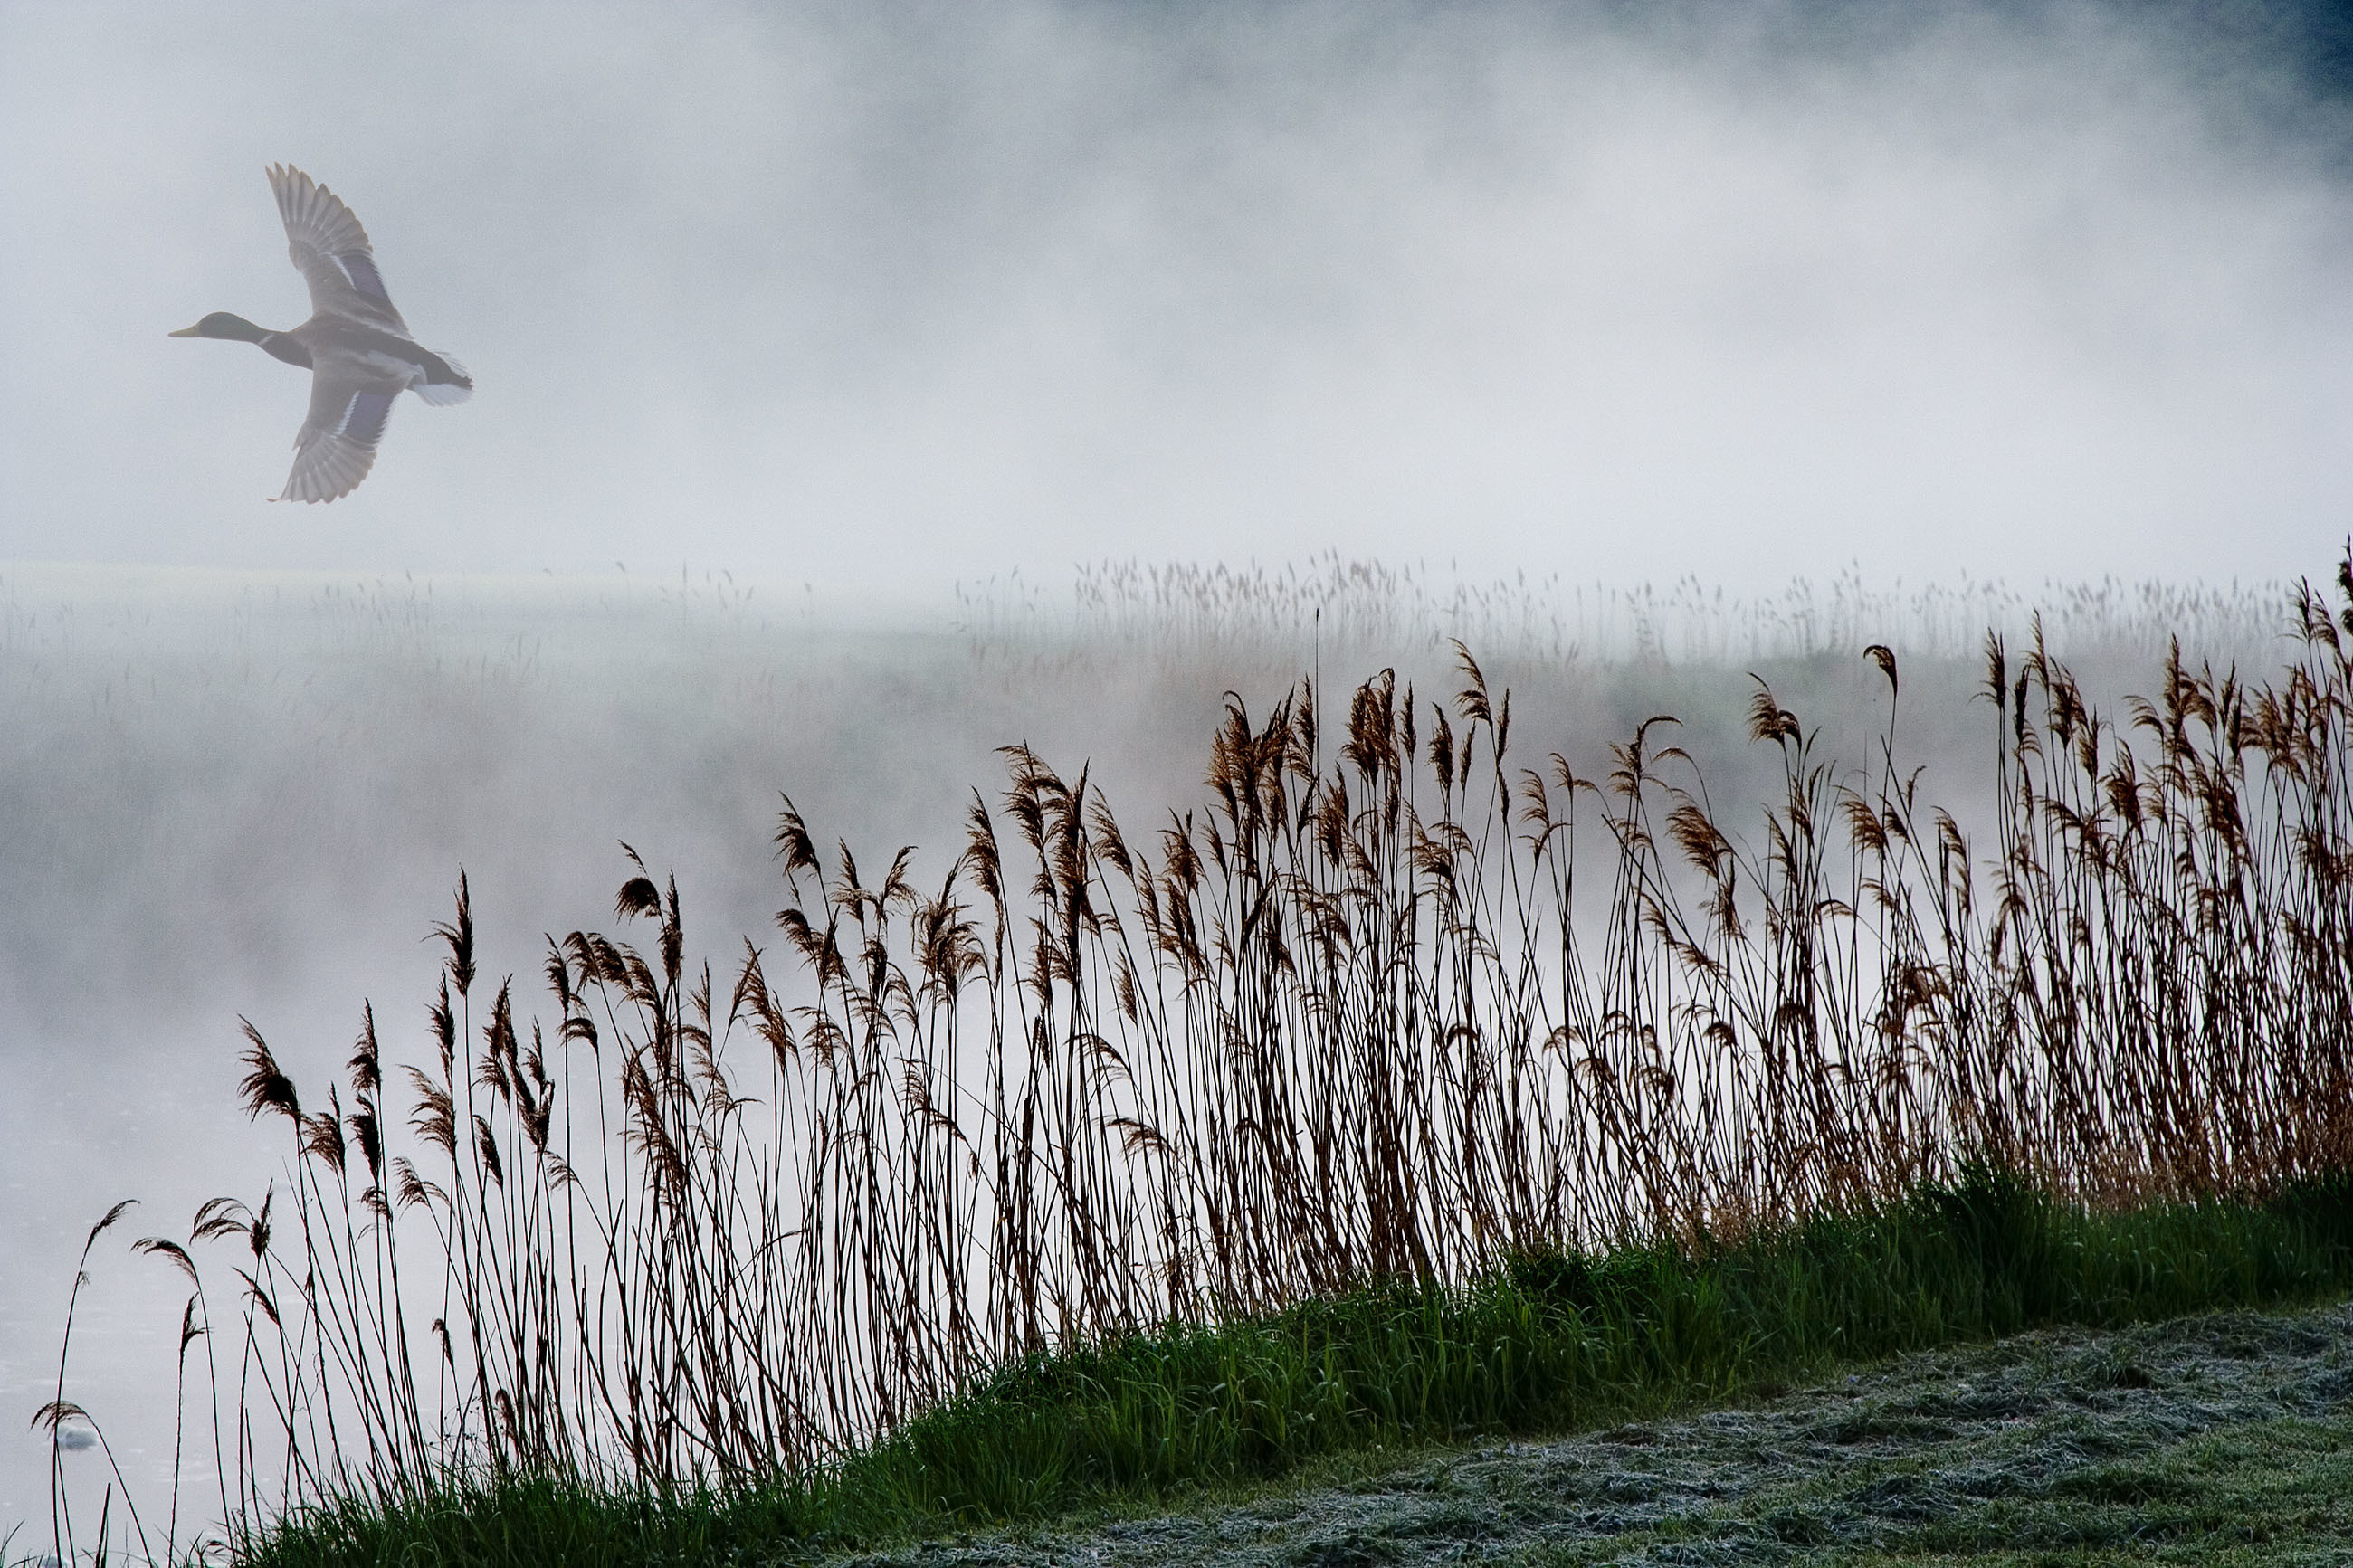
(1556, 1341)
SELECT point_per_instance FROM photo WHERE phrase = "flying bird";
(356, 346)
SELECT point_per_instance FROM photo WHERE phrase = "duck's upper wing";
(331, 250)
(337, 444)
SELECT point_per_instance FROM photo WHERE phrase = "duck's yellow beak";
(185, 331)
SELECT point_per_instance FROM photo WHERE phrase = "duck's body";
(356, 346)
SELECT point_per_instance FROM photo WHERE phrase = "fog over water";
(816, 345)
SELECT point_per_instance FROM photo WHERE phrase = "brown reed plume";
(1384, 1004)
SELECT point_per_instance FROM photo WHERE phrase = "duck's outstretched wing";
(331, 250)
(337, 444)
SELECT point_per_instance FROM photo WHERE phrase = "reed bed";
(1392, 1006)
(1354, 609)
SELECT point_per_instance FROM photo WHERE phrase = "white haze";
(852, 304)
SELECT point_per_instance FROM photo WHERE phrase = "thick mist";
(818, 343)
(880, 298)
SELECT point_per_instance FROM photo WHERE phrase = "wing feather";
(329, 249)
(337, 444)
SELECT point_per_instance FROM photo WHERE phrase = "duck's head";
(221, 324)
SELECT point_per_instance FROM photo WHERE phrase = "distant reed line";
(1392, 1002)
(1353, 608)
(1357, 607)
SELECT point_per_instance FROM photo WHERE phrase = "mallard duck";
(356, 346)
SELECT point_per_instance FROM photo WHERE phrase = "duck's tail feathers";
(440, 392)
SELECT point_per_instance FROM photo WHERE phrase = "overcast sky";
(884, 296)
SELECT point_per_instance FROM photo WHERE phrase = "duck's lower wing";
(337, 445)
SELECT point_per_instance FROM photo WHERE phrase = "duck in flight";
(356, 346)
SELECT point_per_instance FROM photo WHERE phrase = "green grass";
(1553, 1344)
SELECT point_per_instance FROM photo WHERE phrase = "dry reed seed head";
(366, 1065)
(1884, 657)
(1028, 811)
(411, 1188)
(435, 1118)
(849, 893)
(980, 856)
(1864, 825)
(1767, 719)
(1303, 760)
(1472, 700)
(323, 1137)
(264, 1087)
(1703, 846)
(638, 982)
(172, 1252)
(487, 1145)
(56, 1411)
(1536, 806)
(1182, 873)
(2313, 614)
(218, 1217)
(368, 1131)
(794, 846)
(795, 923)
(673, 935)
(443, 1019)
(1997, 687)
(1229, 760)
(498, 1033)
(458, 935)
(2087, 744)
(898, 891)
(1109, 843)
(578, 950)
(1069, 854)
(1637, 761)
(1370, 747)
(638, 896)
